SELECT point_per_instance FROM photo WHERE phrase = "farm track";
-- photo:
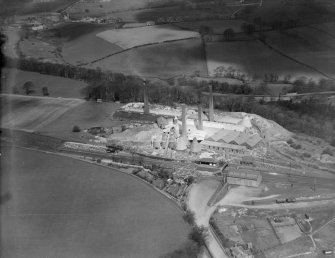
(295, 60)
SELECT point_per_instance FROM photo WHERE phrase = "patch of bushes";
(189, 217)
(293, 144)
(198, 235)
(306, 155)
(188, 250)
(328, 151)
(76, 129)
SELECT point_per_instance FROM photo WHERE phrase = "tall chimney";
(145, 97)
(200, 117)
(183, 120)
(182, 140)
(210, 103)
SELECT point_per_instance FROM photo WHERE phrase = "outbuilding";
(244, 177)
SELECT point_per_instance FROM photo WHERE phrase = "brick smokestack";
(145, 97)
(183, 120)
(211, 103)
(200, 117)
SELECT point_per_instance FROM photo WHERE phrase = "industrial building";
(244, 177)
(223, 147)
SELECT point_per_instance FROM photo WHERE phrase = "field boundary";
(295, 60)
(128, 49)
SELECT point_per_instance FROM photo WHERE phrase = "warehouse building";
(223, 147)
(244, 177)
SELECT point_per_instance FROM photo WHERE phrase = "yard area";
(133, 37)
(161, 60)
(57, 86)
(69, 208)
(32, 113)
(254, 59)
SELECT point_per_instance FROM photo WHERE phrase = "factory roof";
(253, 140)
(218, 135)
(209, 160)
(244, 174)
(241, 138)
(230, 137)
(227, 120)
(223, 145)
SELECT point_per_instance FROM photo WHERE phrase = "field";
(255, 59)
(309, 45)
(111, 6)
(218, 26)
(161, 60)
(67, 208)
(57, 86)
(34, 48)
(85, 115)
(32, 113)
(129, 38)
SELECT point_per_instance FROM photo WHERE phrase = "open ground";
(67, 208)
(14, 79)
(132, 37)
(32, 113)
(159, 60)
(254, 59)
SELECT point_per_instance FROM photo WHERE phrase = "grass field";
(60, 207)
(87, 48)
(132, 37)
(57, 86)
(309, 45)
(34, 48)
(255, 59)
(163, 60)
(32, 113)
(78, 42)
(86, 115)
(111, 6)
(218, 26)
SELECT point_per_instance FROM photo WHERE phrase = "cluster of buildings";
(219, 134)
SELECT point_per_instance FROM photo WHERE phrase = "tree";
(205, 30)
(199, 235)
(229, 34)
(258, 22)
(189, 217)
(248, 28)
(76, 129)
(28, 87)
(45, 91)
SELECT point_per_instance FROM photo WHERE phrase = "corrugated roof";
(210, 160)
(219, 135)
(229, 137)
(222, 145)
(253, 140)
(241, 138)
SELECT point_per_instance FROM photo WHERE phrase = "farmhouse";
(244, 177)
